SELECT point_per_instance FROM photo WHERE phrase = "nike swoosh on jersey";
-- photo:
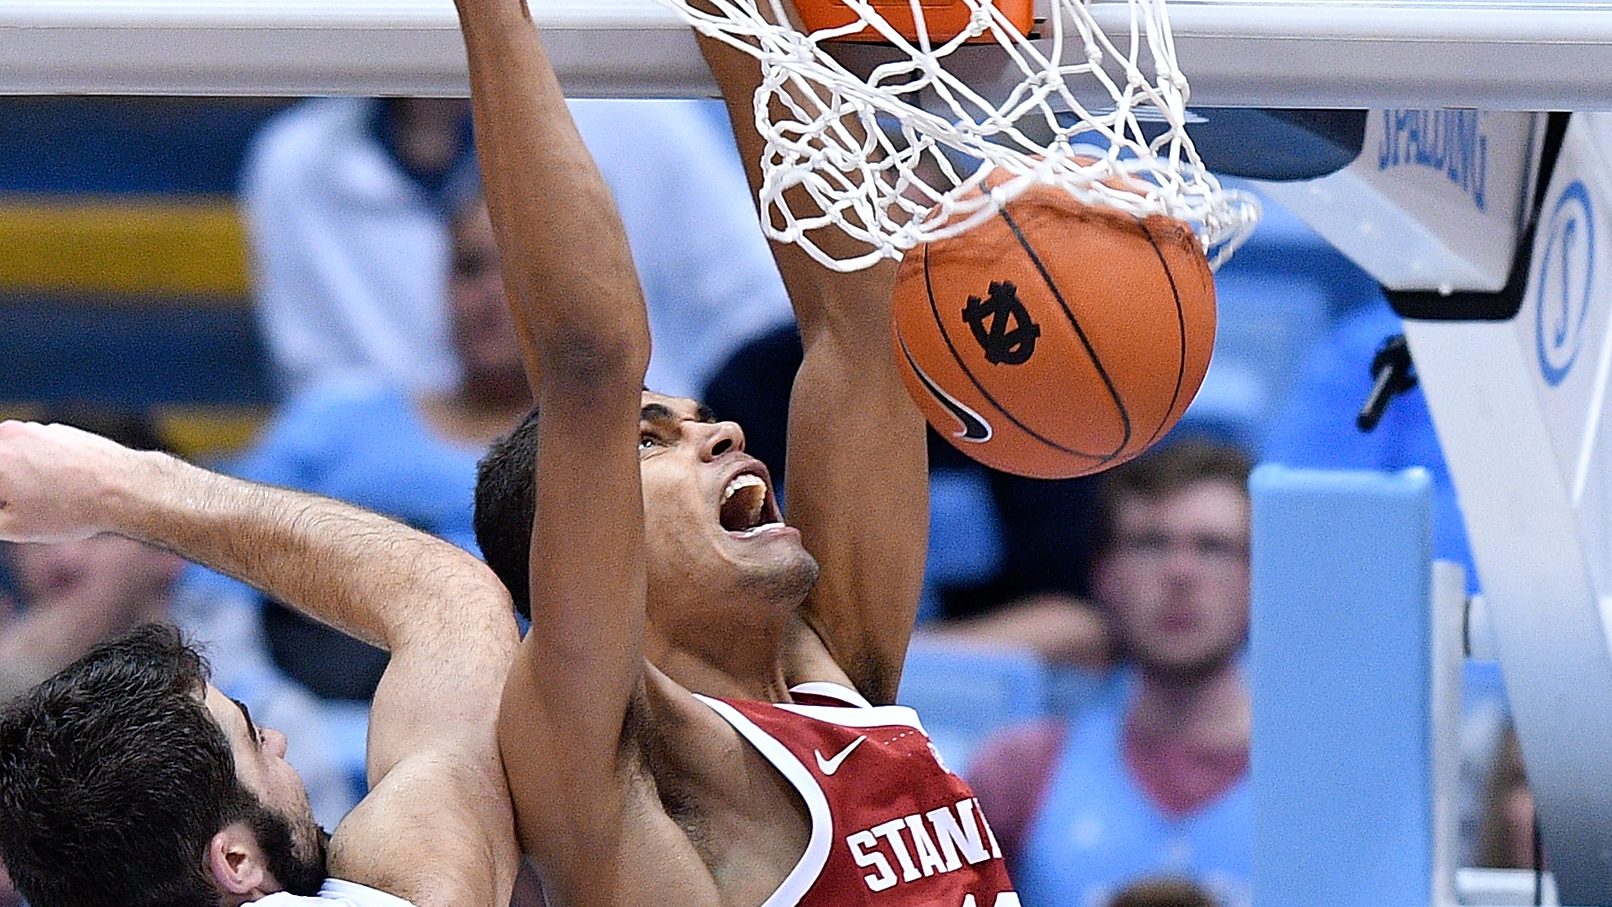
(975, 429)
(830, 766)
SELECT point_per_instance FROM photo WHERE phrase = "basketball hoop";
(911, 151)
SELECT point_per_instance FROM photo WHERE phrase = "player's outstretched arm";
(443, 615)
(858, 483)
(580, 792)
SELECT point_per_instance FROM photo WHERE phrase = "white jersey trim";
(360, 895)
(872, 716)
(861, 714)
(336, 892)
(828, 689)
(811, 862)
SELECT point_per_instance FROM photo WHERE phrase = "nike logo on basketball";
(975, 428)
(830, 766)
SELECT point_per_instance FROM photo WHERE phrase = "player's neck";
(1213, 708)
(728, 679)
(740, 663)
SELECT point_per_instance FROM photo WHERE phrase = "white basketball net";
(895, 158)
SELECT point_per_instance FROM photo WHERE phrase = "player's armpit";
(437, 826)
(596, 826)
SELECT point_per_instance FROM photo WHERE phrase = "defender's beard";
(296, 852)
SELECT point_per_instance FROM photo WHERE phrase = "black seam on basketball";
(970, 420)
(1091, 352)
(1181, 332)
(934, 309)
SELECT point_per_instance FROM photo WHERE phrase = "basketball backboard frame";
(1520, 415)
(1486, 54)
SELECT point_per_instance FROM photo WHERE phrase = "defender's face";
(261, 766)
(711, 519)
(1175, 577)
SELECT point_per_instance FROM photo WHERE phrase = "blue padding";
(1340, 659)
(126, 354)
(144, 146)
(962, 694)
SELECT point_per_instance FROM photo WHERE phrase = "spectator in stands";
(345, 201)
(406, 453)
(1506, 827)
(76, 594)
(1153, 778)
(708, 278)
(1164, 893)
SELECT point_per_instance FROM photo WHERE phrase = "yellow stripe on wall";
(144, 246)
(195, 432)
(203, 433)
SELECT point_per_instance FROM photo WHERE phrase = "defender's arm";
(858, 481)
(441, 613)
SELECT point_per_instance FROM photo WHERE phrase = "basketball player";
(127, 779)
(689, 721)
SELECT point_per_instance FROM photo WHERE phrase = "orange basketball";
(943, 19)
(1057, 338)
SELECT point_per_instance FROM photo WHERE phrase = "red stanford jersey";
(890, 825)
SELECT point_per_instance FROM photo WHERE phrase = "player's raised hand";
(58, 483)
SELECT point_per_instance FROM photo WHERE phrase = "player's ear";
(236, 862)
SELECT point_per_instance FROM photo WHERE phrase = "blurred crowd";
(379, 302)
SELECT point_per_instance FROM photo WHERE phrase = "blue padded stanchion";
(964, 693)
(1340, 651)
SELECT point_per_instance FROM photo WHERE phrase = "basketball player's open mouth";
(746, 508)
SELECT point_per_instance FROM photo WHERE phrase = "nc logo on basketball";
(1002, 325)
(1566, 277)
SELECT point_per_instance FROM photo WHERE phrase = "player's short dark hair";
(114, 777)
(1165, 470)
(506, 503)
